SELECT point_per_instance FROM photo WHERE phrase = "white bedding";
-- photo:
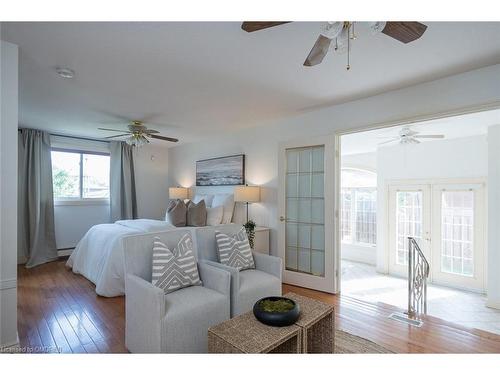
(99, 254)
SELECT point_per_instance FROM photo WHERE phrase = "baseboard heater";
(64, 252)
(403, 318)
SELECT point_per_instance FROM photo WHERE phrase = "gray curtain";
(122, 182)
(36, 234)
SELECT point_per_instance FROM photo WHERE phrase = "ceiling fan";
(138, 134)
(409, 136)
(342, 33)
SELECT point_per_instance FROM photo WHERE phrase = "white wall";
(261, 144)
(8, 193)
(73, 221)
(494, 216)
(151, 181)
(453, 158)
(365, 160)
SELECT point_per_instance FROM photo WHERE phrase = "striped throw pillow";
(173, 270)
(235, 251)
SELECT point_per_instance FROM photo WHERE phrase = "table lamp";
(247, 194)
(178, 193)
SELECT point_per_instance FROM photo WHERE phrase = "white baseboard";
(64, 252)
(8, 284)
(10, 345)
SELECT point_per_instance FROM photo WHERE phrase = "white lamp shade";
(247, 194)
(177, 193)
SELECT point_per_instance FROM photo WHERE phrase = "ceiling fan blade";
(115, 130)
(318, 52)
(151, 131)
(250, 27)
(429, 136)
(411, 133)
(116, 136)
(389, 141)
(163, 138)
(405, 32)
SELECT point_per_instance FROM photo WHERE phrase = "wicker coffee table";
(312, 333)
(245, 334)
(317, 321)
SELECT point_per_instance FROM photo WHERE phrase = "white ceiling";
(199, 78)
(469, 125)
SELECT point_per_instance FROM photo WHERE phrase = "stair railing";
(418, 272)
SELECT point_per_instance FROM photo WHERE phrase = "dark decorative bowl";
(276, 311)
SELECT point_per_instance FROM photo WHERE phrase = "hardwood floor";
(57, 308)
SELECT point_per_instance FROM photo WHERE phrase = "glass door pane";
(457, 231)
(305, 217)
(409, 213)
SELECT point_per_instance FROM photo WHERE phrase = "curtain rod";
(71, 136)
(75, 137)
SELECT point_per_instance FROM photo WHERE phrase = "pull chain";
(348, 47)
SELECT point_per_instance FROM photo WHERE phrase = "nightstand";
(261, 241)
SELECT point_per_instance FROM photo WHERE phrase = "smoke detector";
(65, 73)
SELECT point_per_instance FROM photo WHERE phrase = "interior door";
(409, 216)
(306, 213)
(458, 235)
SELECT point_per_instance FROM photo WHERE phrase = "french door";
(306, 206)
(448, 221)
(409, 216)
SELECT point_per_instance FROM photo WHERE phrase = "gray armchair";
(247, 286)
(177, 322)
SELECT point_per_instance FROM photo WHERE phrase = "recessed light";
(65, 72)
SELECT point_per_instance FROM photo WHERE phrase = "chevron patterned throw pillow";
(173, 270)
(235, 251)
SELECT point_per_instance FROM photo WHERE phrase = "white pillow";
(208, 198)
(214, 215)
(227, 201)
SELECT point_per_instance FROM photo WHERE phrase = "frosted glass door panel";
(305, 210)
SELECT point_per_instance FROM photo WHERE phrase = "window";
(359, 207)
(457, 223)
(80, 175)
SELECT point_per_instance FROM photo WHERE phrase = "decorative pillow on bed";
(176, 213)
(208, 198)
(196, 214)
(214, 215)
(227, 201)
(173, 270)
(235, 251)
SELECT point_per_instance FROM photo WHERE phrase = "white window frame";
(354, 192)
(80, 201)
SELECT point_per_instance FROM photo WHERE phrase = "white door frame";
(477, 282)
(480, 227)
(328, 282)
(390, 248)
(384, 125)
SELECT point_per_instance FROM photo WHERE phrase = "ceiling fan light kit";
(341, 33)
(138, 134)
(408, 136)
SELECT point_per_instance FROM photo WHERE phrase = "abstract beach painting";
(228, 170)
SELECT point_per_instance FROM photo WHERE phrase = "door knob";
(282, 218)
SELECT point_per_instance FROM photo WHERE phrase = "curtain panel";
(122, 182)
(36, 233)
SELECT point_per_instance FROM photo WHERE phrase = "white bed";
(99, 254)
